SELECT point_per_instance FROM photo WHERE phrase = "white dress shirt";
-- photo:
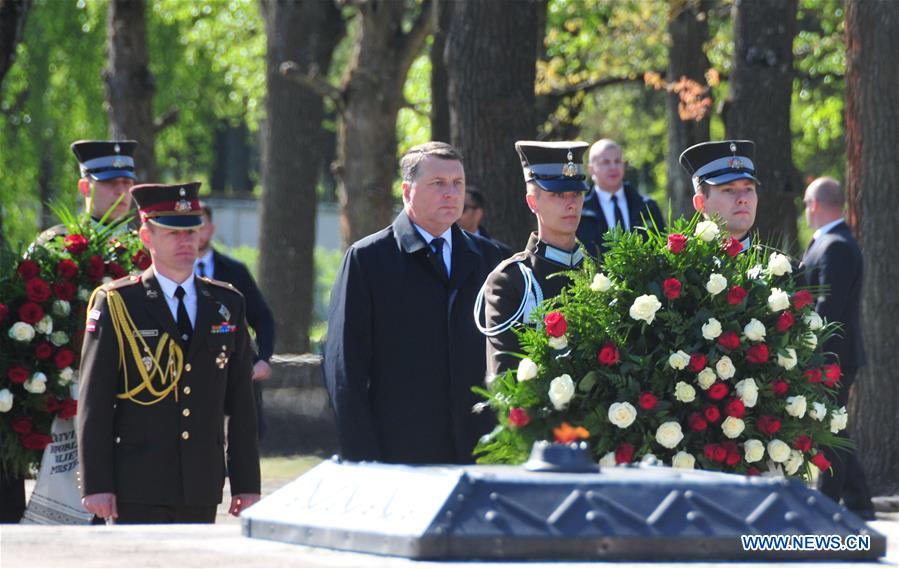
(608, 209)
(168, 287)
(826, 227)
(447, 245)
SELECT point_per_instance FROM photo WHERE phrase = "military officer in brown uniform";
(166, 359)
(554, 174)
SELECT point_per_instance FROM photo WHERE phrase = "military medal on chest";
(222, 359)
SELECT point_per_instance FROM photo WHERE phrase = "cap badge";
(182, 192)
(735, 163)
(733, 147)
(569, 170)
(182, 206)
(118, 162)
(117, 148)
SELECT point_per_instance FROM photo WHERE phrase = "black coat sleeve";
(503, 294)
(837, 268)
(259, 315)
(348, 360)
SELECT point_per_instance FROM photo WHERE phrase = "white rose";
(559, 343)
(36, 384)
(796, 406)
(66, 376)
(838, 420)
(793, 463)
(561, 390)
(779, 265)
(818, 411)
(84, 294)
(645, 308)
(61, 308)
(706, 230)
(754, 331)
(753, 450)
(45, 326)
(778, 300)
(733, 427)
(679, 359)
(601, 283)
(754, 272)
(622, 414)
(810, 339)
(716, 284)
(725, 368)
(711, 329)
(21, 332)
(813, 320)
(684, 460)
(778, 450)
(59, 338)
(787, 361)
(608, 459)
(748, 391)
(6, 399)
(684, 392)
(527, 369)
(669, 434)
(706, 378)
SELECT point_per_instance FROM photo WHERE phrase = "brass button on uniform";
(185, 435)
(118, 440)
(187, 367)
(186, 390)
(186, 412)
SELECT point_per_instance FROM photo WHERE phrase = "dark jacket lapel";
(206, 315)
(593, 209)
(156, 305)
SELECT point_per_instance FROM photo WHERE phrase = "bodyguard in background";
(473, 217)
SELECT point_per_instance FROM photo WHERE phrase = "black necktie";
(436, 257)
(184, 327)
(619, 217)
(201, 268)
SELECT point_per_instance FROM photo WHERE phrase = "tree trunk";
(13, 14)
(129, 85)
(761, 86)
(440, 120)
(872, 178)
(366, 132)
(689, 30)
(305, 33)
(491, 61)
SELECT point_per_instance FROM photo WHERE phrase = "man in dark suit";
(473, 217)
(402, 351)
(166, 358)
(833, 259)
(215, 265)
(612, 201)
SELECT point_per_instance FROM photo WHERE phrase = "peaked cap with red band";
(175, 206)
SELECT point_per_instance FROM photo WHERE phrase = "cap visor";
(730, 177)
(177, 221)
(559, 186)
(111, 174)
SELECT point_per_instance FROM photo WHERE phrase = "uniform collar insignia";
(568, 259)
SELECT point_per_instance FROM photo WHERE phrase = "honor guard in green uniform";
(556, 183)
(166, 361)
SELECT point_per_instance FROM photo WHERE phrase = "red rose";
(18, 373)
(719, 453)
(697, 362)
(821, 461)
(68, 409)
(21, 425)
(729, 340)
(733, 457)
(37, 290)
(51, 404)
(696, 422)
(753, 471)
(785, 321)
(67, 269)
(801, 299)
(802, 443)
(555, 324)
(671, 288)
(757, 354)
(36, 441)
(676, 243)
(736, 294)
(64, 357)
(624, 453)
(812, 375)
(735, 408)
(731, 246)
(142, 259)
(31, 313)
(718, 391)
(768, 425)
(709, 451)
(3, 312)
(518, 417)
(43, 350)
(648, 401)
(712, 414)
(780, 387)
(115, 270)
(75, 243)
(28, 269)
(64, 290)
(608, 355)
(832, 373)
(95, 268)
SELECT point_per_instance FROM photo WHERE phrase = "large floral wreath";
(683, 348)
(43, 295)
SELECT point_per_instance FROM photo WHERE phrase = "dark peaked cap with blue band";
(554, 166)
(105, 159)
(174, 206)
(720, 162)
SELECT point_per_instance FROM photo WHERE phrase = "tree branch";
(167, 119)
(415, 37)
(314, 82)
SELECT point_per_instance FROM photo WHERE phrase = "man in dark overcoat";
(402, 352)
(166, 359)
